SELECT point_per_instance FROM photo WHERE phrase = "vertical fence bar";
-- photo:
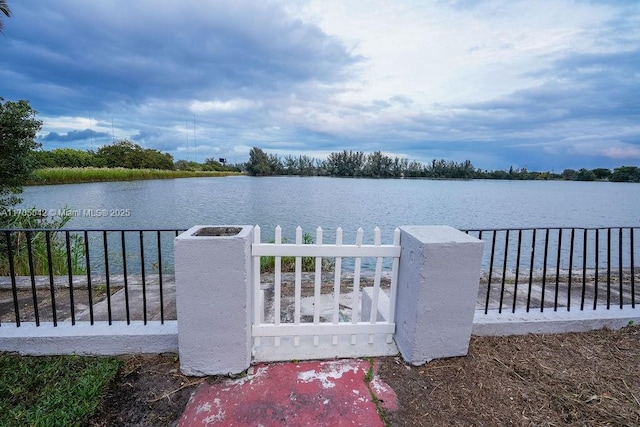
(34, 291)
(584, 268)
(52, 289)
(125, 276)
(504, 269)
(12, 272)
(106, 273)
(569, 281)
(72, 307)
(515, 284)
(559, 257)
(318, 286)
(620, 273)
(393, 292)
(544, 269)
(336, 285)
(160, 289)
(89, 286)
(144, 281)
(297, 292)
(595, 285)
(493, 251)
(355, 300)
(531, 265)
(633, 268)
(277, 291)
(377, 241)
(608, 268)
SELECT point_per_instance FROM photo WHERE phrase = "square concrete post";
(213, 299)
(438, 282)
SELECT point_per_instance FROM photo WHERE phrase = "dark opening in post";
(218, 231)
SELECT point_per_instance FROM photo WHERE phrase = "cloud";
(498, 82)
(232, 105)
(74, 135)
(100, 53)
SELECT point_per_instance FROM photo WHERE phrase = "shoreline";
(60, 176)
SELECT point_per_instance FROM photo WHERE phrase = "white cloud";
(441, 54)
(223, 106)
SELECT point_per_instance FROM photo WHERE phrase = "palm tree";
(4, 8)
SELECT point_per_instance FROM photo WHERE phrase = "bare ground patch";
(581, 379)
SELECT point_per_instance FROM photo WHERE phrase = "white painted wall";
(438, 285)
(213, 301)
(86, 339)
(552, 322)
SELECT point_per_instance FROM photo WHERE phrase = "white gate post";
(438, 282)
(213, 299)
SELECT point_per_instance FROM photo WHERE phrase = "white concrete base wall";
(86, 339)
(552, 322)
(438, 284)
(213, 301)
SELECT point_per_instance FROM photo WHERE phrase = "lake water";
(332, 202)
(335, 202)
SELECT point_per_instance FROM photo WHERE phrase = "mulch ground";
(586, 379)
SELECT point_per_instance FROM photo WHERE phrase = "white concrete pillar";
(213, 299)
(438, 284)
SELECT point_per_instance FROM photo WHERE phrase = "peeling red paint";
(330, 393)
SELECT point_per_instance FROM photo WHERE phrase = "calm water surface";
(349, 203)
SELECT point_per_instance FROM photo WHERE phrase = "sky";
(542, 85)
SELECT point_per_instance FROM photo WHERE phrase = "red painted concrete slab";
(332, 393)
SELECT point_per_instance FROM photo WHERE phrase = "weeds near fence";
(288, 263)
(39, 247)
(47, 391)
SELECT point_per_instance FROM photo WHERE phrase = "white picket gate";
(289, 320)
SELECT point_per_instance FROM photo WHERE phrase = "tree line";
(121, 154)
(378, 165)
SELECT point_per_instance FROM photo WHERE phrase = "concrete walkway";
(333, 393)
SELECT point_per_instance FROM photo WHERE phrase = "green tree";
(602, 173)
(626, 174)
(568, 174)
(4, 8)
(259, 163)
(65, 158)
(126, 154)
(585, 175)
(18, 129)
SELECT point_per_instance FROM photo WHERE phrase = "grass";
(52, 176)
(52, 391)
(35, 244)
(288, 263)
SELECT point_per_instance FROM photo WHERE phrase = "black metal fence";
(86, 275)
(559, 268)
(127, 275)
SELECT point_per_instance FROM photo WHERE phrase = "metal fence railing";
(55, 276)
(558, 268)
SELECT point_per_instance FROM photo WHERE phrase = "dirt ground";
(587, 379)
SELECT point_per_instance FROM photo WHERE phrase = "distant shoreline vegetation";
(120, 161)
(52, 176)
(377, 165)
(126, 161)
